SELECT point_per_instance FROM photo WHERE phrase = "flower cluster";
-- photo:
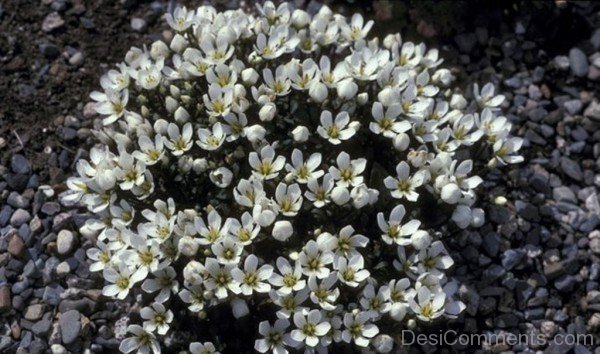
(285, 157)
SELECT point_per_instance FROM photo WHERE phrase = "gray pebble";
(19, 164)
(578, 62)
(65, 242)
(70, 326)
(20, 217)
(52, 22)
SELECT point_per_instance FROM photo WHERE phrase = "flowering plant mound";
(290, 168)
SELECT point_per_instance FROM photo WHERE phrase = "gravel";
(532, 268)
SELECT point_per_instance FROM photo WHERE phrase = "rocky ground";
(532, 269)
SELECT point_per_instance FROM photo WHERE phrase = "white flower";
(386, 123)
(123, 279)
(357, 29)
(289, 198)
(404, 185)
(179, 142)
(486, 97)
(211, 140)
(309, 328)
(227, 251)
(505, 151)
(218, 51)
(142, 341)
(345, 243)
(165, 281)
(218, 101)
(347, 171)
(400, 292)
(220, 278)
(314, 259)
(289, 278)
(181, 19)
(324, 293)
(275, 337)
(321, 194)
(302, 171)
(335, 131)
(375, 304)
(393, 230)
(150, 152)
(112, 103)
(221, 177)
(434, 259)
(244, 232)
(358, 329)
(289, 303)
(215, 229)
(268, 165)
(253, 279)
(157, 318)
(248, 192)
(351, 271)
(203, 348)
(235, 126)
(427, 306)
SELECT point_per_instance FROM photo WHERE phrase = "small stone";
(564, 194)
(52, 22)
(565, 283)
(20, 217)
(19, 164)
(76, 59)
(70, 326)
(42, 327)
(571, 168)
(578, 62)
(466, 41)
(561, 62)
(491, 243)
(58, 349)
(511, 258)
(34, 312)
(50, 208)
(5, 299)
(593, 111)
(527, 211)
(16, 247)
(138, 24)
(573, 106)
(65, 242)
(49, 50)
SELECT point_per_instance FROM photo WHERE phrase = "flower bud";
(362, 98)
(401, 141)
(159, 50)
(267, 112)
(384, 343)
(300, 134)
(200, 165)
(347, 89)
(282, 230)
(318, 92)
(171, 104)
(249, 76)
(239, 308)
(255, 133)
(181, 115)
(458, 101)
(300, 18)
(179, 43)
(420, 239)
(340, 195)
(451, 193)
(188, 246)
